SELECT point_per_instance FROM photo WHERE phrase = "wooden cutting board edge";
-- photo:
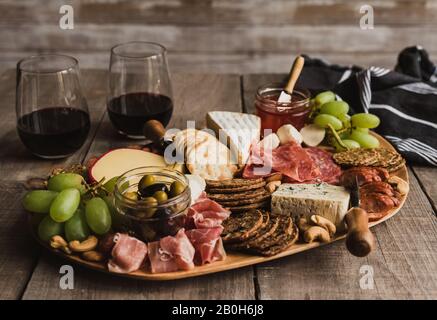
(234, 260)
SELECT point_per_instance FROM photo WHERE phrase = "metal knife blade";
(355, 194)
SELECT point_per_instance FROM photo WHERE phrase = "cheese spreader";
(359, 240)
(285, 96)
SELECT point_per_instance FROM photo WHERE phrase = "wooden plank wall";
(237, 36)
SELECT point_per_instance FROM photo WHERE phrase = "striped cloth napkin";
(405, 100)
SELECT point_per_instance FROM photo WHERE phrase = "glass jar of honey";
(274, 114)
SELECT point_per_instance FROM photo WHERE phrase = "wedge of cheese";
(331, 202)
(237, 130)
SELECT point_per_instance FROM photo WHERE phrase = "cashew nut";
(316, 233)
(57, 242)
(274, 177)
(93, 256)
(303, 225)
(272, 186)
(399, 184)
(324, 223)
(87, 245)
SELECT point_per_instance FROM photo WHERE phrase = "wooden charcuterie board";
(234, 260)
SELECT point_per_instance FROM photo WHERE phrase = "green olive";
(149, 212)
(161, 196)
(146, 181)
(176, 189)
(131, 195)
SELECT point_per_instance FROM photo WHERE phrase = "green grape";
(76, 228)
(351, 144)
(323, 120)
(49, 228)
(335, 108)
(324, 97)
(36, 219)
(98, 216)
(65, 205)
(344, 135)
(365, 140)
(365, 120)
(345, 120)
(110, 184)
(64, 181)
(39, 201)
(363, 130)
(116, 218)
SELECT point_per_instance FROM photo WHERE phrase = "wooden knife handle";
(294, 74)
(359, 240)
(154, 130)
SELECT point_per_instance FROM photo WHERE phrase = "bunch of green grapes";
(344, 131)
(71, 208)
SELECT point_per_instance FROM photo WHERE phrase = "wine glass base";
(132, 136)
(52, 157)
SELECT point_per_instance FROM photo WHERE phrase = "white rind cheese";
(331, 202)
(236, 130)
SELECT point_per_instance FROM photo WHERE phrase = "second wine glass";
(139, 87)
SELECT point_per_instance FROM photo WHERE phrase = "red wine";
(54, 132)
(129, 112)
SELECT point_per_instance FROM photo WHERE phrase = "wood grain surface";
(404, 263)
(221, 36)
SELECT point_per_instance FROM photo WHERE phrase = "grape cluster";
(71, 208)
(344, 131)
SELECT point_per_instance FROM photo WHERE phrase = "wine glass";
(52, 113)
(139, 87)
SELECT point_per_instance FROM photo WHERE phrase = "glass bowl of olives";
(151, 202)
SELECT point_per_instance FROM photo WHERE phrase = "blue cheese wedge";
(236, 130)
(331, 202)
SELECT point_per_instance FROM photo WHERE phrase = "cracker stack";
(377, 157)
(239, 195)
(259, 232)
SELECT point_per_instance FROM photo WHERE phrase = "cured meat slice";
(180, 248)
(329, 172)
(160, 261)
(171, 253)
(290, 159)
(128, 254)
(363, 175)
(208, 244)
(206, 213)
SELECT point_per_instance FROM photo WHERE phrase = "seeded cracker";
(239, 227)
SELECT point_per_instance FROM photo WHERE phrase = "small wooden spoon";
(285, 96)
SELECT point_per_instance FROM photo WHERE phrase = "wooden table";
(404, 263)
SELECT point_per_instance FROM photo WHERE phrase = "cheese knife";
(359, 240)
(285, 96)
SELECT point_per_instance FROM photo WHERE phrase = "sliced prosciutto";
(161, 261)
(206, 213)
(128, 254)
(171, 253)
(208, 245)
(180, 248)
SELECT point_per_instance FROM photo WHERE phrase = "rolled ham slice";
(171, 253)
(206, 213)
(128, 254)
(208, 244)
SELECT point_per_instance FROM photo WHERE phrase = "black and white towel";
(405, 100)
